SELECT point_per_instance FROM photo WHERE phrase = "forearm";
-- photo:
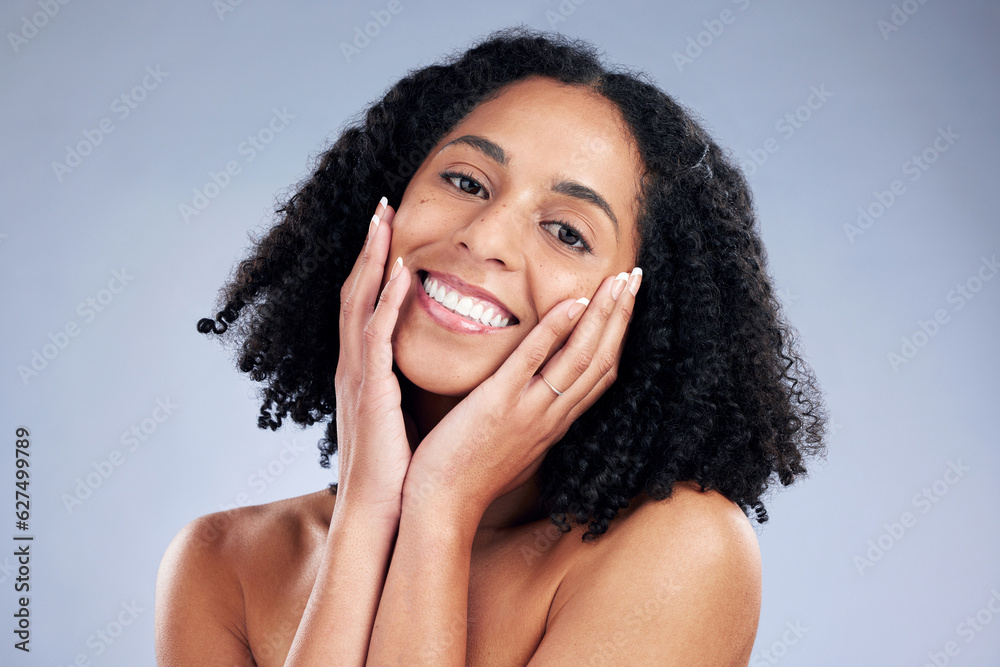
(422, 616)
(337, 622)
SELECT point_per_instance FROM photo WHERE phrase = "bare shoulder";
(202, 581)
(678, 577)
(236, 539)
(700, 528)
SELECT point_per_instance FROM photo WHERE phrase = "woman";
(500, 381)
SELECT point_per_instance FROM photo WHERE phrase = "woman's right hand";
(372, 444)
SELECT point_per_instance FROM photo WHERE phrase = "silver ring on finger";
(558, 393)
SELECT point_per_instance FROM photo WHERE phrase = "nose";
(494, 233)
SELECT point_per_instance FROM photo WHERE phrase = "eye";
(464, 182)
(564, 229)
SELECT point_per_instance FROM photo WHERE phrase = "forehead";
(551, 114)
(552, 131)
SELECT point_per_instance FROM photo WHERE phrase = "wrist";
(441, 512)
(354, 509)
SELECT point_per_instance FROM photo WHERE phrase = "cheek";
(550, 288)
(417, 223)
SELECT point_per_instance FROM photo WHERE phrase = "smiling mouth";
(468, 307)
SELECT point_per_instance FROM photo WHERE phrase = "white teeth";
(463, 305)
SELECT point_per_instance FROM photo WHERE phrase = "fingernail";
(634, 279)
(577, 307)
(372, 228)
(382, 203)
(618, 285)
(396, 267)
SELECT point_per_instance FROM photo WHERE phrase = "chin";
(441, 379)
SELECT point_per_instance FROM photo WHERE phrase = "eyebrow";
(564, 187)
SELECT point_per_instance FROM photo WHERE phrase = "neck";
(425, 408)
(516, 508)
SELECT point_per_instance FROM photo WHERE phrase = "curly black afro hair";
(710, 387)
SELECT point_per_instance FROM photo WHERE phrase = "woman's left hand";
(495, 439)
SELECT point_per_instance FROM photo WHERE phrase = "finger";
(373, 265)
(597, 391)
(574, 358)
(363, 256)
(595, 346)
(388, 214)
(377, 332)
(358, 292)
(516, 372)
(380, 214)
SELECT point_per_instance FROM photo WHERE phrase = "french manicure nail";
(372, 228)
(396, 267)
(618, 285)
(383, 203)
(575, 309)
(634, 279)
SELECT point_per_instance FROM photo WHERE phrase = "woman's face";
(529, 201)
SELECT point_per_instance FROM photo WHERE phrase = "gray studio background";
(877, 199)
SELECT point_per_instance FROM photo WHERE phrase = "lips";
(467, 289)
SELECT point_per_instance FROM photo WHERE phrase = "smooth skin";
(435, 550)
